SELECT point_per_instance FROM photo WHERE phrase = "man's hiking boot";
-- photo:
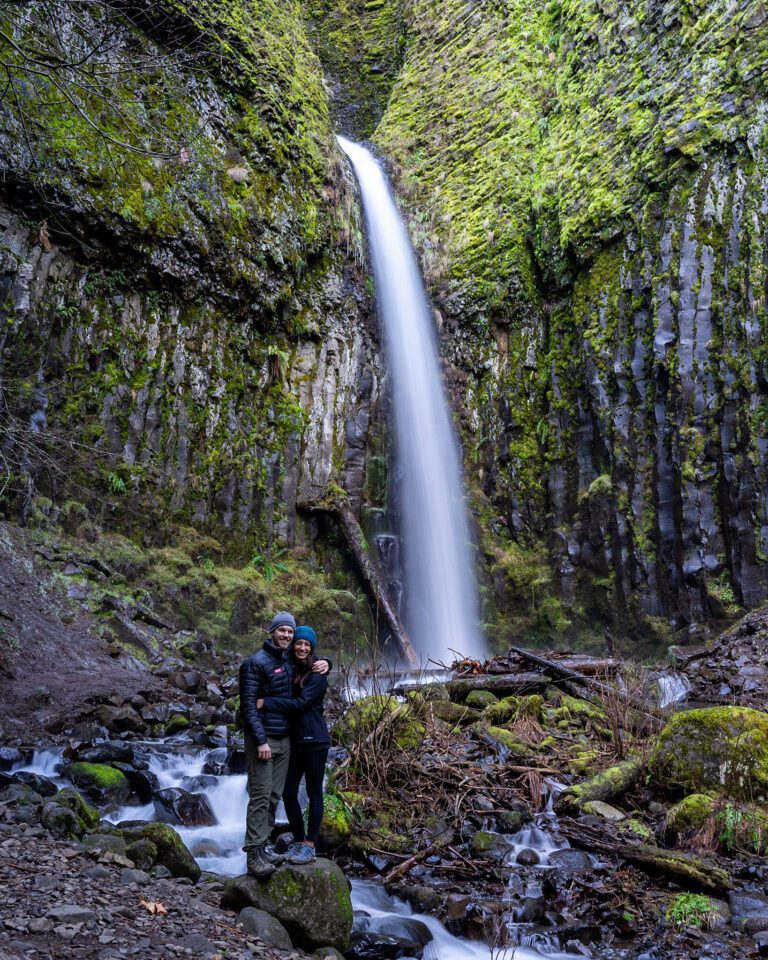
(271, 855)
(305, 853)
(258, 864)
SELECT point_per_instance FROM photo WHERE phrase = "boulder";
(38, 783)
(9, 758)
(107, 752)
(100, 782)
(171, 852)
(336, 825)
(264, 926)
(61, 821)
(720, 749)
(480, 699)
(690, 813)
(174, 805)
(120, 719)
(312, 902)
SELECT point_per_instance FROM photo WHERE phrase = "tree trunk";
(607, 785)
(337, 507)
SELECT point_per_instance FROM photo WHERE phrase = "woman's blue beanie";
(306, 633)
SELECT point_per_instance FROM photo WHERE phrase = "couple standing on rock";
(282, 687)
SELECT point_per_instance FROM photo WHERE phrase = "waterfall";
(442, 608)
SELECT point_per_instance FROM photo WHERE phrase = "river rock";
(312, 902)
(264, 926)
(423, 899)
(10, 757)
(527, 858)
(570, 863)
(110, 750)
(749, 912)
(171, 852)
(100, 782)
(174, 805)
(120, 719)
(722, 749)
(38, 783)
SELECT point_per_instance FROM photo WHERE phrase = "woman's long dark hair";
(302, 670)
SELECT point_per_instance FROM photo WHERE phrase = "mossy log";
(606, 785)
(502, 684)
(684, 868)
(335, 504)
(560, 672)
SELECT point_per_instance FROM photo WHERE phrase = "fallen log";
(554, 669)
(684, 868)
(502, 684)
(335, 505)
(606, 785)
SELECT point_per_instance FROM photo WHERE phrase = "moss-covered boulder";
(61, 821)
(480, 699)
(501, 711)
(690, 813)
(453, 713)
(336, 825)
(312, 902)
(508, 740)
(102, 783)
(69, 797)
(395, 722)
(171, 851)
(720, 749)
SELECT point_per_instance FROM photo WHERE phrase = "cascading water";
(442, 609)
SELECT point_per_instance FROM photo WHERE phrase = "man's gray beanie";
(282, 619)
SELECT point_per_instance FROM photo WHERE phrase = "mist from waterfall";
(442, 607)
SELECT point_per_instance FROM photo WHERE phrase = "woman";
(309, 744)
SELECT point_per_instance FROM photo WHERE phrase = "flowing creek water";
(178, 763)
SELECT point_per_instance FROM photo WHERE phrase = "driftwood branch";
(683, 868)
(337, 506)
(502, 684)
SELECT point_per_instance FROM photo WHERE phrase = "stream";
(177, 763)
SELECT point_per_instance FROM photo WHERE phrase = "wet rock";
(527, 858)
(749, 912)
(175, 805)
(387, 937)
(489, 846)
(423, 899)
(107, 752)
(265, 927)
(10, 757)
(36, 782)
(511, 821)
(600, 809)
(571, 863)
(312, 902)
(142, 852)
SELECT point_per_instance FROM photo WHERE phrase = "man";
(267, 673)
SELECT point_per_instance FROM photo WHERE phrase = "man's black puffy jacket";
(266, 673)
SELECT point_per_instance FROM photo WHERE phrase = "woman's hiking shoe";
(305, 853)
(257, 863)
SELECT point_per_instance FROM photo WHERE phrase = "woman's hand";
(260, 704)
(320, 666)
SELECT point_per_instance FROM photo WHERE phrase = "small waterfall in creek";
(442, 608)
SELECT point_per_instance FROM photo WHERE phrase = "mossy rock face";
(99, 781)
(720, 749)
(690, 813)
(171, 852)
(336, 825)
(384, 712)
(480, 699)
(312, 902)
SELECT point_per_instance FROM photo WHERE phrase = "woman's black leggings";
(309, 764)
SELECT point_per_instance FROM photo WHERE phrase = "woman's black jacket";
(309, 730)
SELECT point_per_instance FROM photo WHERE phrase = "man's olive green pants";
(266, 779)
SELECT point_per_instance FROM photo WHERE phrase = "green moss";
(721, 749)
(100, 775)
(690, 813)
(479, 699)
(176, 724)
(380, 712)
(509, 740)
(501, 711)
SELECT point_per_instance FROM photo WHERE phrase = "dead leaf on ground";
(154, 906)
